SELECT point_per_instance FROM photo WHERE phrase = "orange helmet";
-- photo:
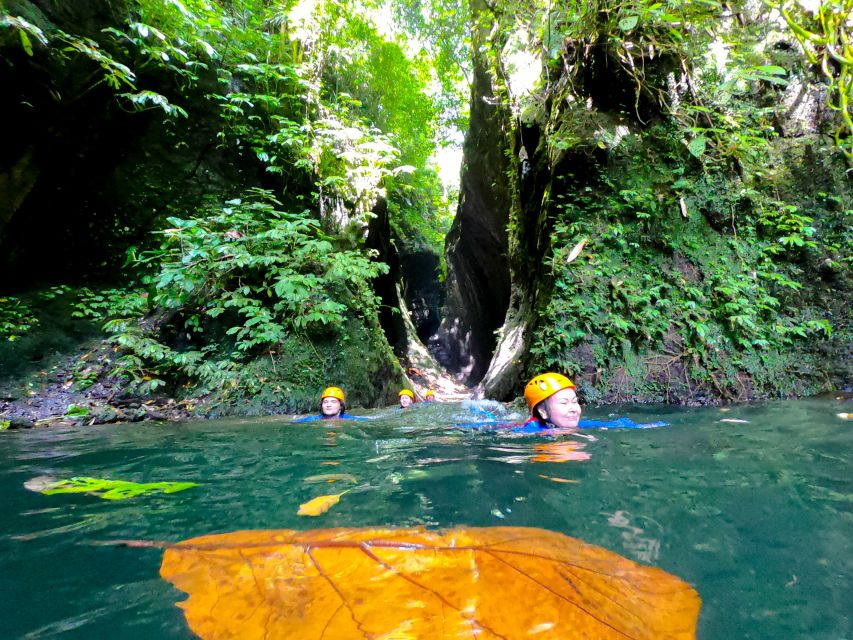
(544, 386)
(333, 392)
(406, 392)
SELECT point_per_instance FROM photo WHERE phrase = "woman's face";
(405, 401)
(562, 409)
(330, 406)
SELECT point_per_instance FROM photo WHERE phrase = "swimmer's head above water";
(332, 402)
(407, 397)
(552, 400)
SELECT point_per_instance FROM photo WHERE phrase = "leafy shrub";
(16, 318)
(249, 276)
(656, 280)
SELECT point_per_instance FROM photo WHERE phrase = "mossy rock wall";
(652, 272)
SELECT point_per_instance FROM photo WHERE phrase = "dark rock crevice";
(478, 282)
(385, 285)
(422, 291)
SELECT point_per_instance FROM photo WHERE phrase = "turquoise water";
(756, 516)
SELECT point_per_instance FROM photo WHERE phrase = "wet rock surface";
(53, 397)
(478, 281)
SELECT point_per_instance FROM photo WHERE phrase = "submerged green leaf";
(113, 489)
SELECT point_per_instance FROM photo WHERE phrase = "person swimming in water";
(430, 396)
(553, 402)
(407, 398)
(554, 405)
(332, 405)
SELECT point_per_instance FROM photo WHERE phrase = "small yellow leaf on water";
(318, 505)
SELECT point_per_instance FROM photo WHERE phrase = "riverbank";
(69, 383)
(74, 388)
(71, 390)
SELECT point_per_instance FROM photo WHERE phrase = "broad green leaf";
(626, 24)
(25, 42)
(76, 412)
(771, 69)
(697, 146)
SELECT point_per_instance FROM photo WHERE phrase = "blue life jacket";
(343, 416)
(532, 425)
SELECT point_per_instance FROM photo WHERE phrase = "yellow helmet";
(430, 393)
(333, 392)
(544, 386)
(406, 392)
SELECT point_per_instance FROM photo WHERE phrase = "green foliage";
(420, 211)
(698, 244)
(109, 303)
(823, 32)
(319, 102)
(74, 411)
(314, 91)
(655, 277)
(236, 281)
(66, 48)
(16, 318)
(113, 489)
(443, 28)
(712, 66)
(27, 32)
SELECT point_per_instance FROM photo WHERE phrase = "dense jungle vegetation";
(698, 218)
(242, 197)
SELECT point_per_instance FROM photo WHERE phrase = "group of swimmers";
(551, 398)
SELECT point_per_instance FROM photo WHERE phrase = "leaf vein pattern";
(562, 597)
(366, 549)
(308, 551)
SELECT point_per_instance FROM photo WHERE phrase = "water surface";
(756, 516)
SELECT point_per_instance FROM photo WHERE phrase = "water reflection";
(560, 452)
(520, 453)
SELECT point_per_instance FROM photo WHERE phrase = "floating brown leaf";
(500, 582)
(557, 479)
